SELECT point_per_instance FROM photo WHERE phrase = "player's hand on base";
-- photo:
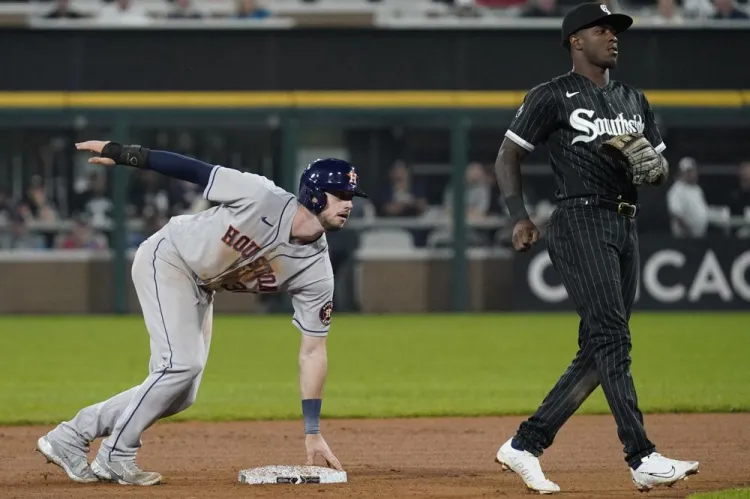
(525, 234)
(95, 146)
(317, 446)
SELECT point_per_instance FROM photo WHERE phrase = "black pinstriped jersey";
(572, 116)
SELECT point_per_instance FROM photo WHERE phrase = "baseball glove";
(644, 163)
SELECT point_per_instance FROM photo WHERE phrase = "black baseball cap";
(590, 14)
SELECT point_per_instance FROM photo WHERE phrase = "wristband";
(516, 208)
(311, 411)
(130, 155)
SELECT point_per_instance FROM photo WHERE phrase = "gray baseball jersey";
(243, 246)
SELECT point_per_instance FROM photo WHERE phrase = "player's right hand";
(525, 234)
(317, 446)
(95, 146)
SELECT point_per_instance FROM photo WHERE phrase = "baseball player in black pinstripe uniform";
(603, 143)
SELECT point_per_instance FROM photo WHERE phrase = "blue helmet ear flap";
(313, 199)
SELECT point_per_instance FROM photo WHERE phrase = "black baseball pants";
(595, 251)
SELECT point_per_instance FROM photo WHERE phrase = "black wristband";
(516, 208)
(311, 411)
(129, 155)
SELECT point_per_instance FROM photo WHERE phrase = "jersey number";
(259, 270)
(266, 284)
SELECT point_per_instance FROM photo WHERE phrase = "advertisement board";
(675, 274)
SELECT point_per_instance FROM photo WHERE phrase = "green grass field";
(723, 494)
(379, 366)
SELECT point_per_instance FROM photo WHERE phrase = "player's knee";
(187, 370)
(606, 337)
(612, 346)
(193, 369)
(182, 403)
(189, 400)
(608, 324)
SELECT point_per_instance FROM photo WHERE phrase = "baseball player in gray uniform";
(259, 239)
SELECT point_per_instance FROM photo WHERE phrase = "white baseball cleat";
(75, 465)
(526, 465)
(124, 472)
(656, 470)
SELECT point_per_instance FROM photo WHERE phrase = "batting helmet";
(332, 175)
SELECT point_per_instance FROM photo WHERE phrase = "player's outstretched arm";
(165, 162)
(508, 172)
(313, 367)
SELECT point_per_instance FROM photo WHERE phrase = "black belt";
(623, 208)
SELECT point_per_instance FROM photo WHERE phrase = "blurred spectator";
(478, 195)
(477, 200)
(739, 199)
(698, 8)
(94, 200)
(668, 13)
(187, 197)
(465, 8)
(500, 4)
(184, 9)
(19, 237)
(83, 236)
(35, 205)
(148, 195)
(62, 10)
(725, 9)
(6, 207)
(687, 204)
(542, 8)
(251, 9)
(151, 224)
(402, 198)
(123, 12)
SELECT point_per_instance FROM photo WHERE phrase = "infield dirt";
(425, 457)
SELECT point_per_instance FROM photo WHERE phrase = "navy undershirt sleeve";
(180, 167)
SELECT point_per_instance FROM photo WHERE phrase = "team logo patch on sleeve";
(326, 312)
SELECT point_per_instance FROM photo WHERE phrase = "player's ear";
(575, 42)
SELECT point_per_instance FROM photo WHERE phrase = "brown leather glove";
(644, 163)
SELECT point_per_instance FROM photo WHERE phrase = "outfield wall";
(675, 274)
(82, 282)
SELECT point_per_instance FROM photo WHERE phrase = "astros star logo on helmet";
(352, 177)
